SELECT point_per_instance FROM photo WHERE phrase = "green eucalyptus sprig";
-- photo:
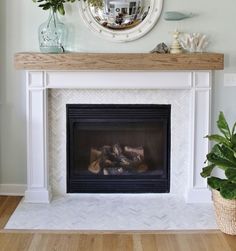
(223, 156)
(55, 5)
(58, 5)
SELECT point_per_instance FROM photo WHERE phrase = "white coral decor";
(194, 42)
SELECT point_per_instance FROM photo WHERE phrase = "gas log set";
(117, 160)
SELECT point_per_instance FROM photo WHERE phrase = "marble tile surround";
(180, 118)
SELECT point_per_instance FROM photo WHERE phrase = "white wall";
(19, 30)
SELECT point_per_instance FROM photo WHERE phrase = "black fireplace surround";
(118, 148)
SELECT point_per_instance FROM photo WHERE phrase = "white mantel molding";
(38, 83)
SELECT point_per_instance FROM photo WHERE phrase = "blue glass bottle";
(52, 34)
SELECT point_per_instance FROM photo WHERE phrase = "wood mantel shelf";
(119, 61)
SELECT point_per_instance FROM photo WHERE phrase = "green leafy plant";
(55, 5)
(58, 5)
(223, 156)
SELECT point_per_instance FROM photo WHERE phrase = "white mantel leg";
(200, 127)
(38, 189)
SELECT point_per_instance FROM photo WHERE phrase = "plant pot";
(225, 211)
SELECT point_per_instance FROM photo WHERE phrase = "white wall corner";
(13, 189)
(229, 79)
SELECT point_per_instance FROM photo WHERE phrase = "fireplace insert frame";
(122, 113)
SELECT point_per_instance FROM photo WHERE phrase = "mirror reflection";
(121, 14)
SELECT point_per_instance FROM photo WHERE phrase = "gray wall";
(216, 18)
(2, 66)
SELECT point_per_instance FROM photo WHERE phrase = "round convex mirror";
(121, 20)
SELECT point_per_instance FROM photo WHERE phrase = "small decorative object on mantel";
(176, 47)
(161, 48)
(194, 42)
(223, 156)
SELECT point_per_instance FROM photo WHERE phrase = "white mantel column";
(198, 191)
(38, 189)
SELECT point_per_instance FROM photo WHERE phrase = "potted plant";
(52, 33)
(223, 156)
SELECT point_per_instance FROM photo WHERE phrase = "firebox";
(118, 148)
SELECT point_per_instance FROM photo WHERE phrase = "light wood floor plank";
(167, 242)
(15, 242)
(190, 242)
(137, 242)
(34, 245)
(125, 242)
(2, 200)
(215, 242)
(7, 208)
(231, 241)
(116, 242)
(148, 242)
(110, 242)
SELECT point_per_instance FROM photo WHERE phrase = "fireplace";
(48, 92)
(118, 148)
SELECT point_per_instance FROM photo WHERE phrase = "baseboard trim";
(40, 195)
(13, 189)
(202, 195)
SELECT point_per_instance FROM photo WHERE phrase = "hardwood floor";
(11, 240)
(8, 205)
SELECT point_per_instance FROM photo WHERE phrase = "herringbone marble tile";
(180, 117)
(114, 212)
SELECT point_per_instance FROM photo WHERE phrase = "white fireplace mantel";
(198, 82)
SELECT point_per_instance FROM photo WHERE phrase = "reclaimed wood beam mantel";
(119, 61)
